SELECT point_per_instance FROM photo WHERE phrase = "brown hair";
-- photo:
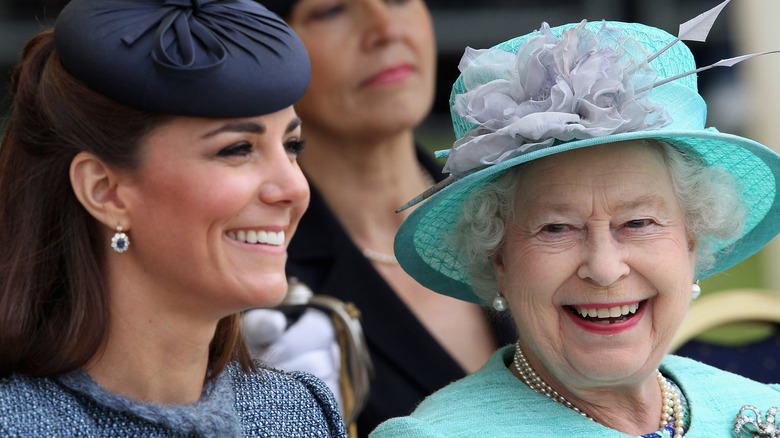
(53, 307)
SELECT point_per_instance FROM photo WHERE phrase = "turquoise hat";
(570, 87)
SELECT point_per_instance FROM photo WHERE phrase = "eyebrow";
(646, 200)
(250, 127)
(293, 125)
(565, 208)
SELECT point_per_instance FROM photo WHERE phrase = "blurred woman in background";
(373, 73)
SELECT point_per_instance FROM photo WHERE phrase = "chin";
(276, 291)
(617, 366)
(267, 291)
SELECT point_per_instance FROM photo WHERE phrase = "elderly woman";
(588, 199)
(149, 187)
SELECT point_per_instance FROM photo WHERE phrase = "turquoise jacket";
(493, 403)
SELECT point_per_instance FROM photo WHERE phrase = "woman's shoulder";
(21, 390)
(271, 380)
(295, 399)
(691, 370)
(21, 385)
(716, 396)
(29, 404)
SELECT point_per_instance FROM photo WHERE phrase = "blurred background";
(742, 100)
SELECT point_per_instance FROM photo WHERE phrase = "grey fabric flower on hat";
(581, 85)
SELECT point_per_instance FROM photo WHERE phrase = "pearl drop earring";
(695, 290)
(499, 302)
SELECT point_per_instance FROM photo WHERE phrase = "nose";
(285, 183)
(603, 260)
(380, 26)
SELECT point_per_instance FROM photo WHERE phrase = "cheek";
(324, 46)
(530, 280)
(324, 71)
(298, 212)
(194, 195)
(671, 256)
(424, 40)
(421, 36)
(535, 264)
(329, 87)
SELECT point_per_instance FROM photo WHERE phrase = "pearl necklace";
(389, 259)
(379, 257)
(672, 406)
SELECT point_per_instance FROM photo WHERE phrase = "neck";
(632, 409)
(164, 372)
(150, 355)
(364, 183)
(635, 412)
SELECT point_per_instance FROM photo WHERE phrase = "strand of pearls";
(672, 406)
(379, 257)
(389, 259)
(530, 378)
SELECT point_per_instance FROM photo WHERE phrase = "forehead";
(624, 175)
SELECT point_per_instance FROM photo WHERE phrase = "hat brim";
(422, 249)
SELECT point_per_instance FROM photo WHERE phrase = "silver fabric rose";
(749, 422)
(579, 86)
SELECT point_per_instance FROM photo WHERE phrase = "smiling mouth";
(607, 315)
(258, 237)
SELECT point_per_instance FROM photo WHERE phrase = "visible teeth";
(253, 236)
(607, 312)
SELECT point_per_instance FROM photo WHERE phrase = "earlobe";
(498, 268)
(95, 186)
(691, 243)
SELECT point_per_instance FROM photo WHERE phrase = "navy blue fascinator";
(200, 58)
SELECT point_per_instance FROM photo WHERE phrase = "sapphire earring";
(120, 241)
